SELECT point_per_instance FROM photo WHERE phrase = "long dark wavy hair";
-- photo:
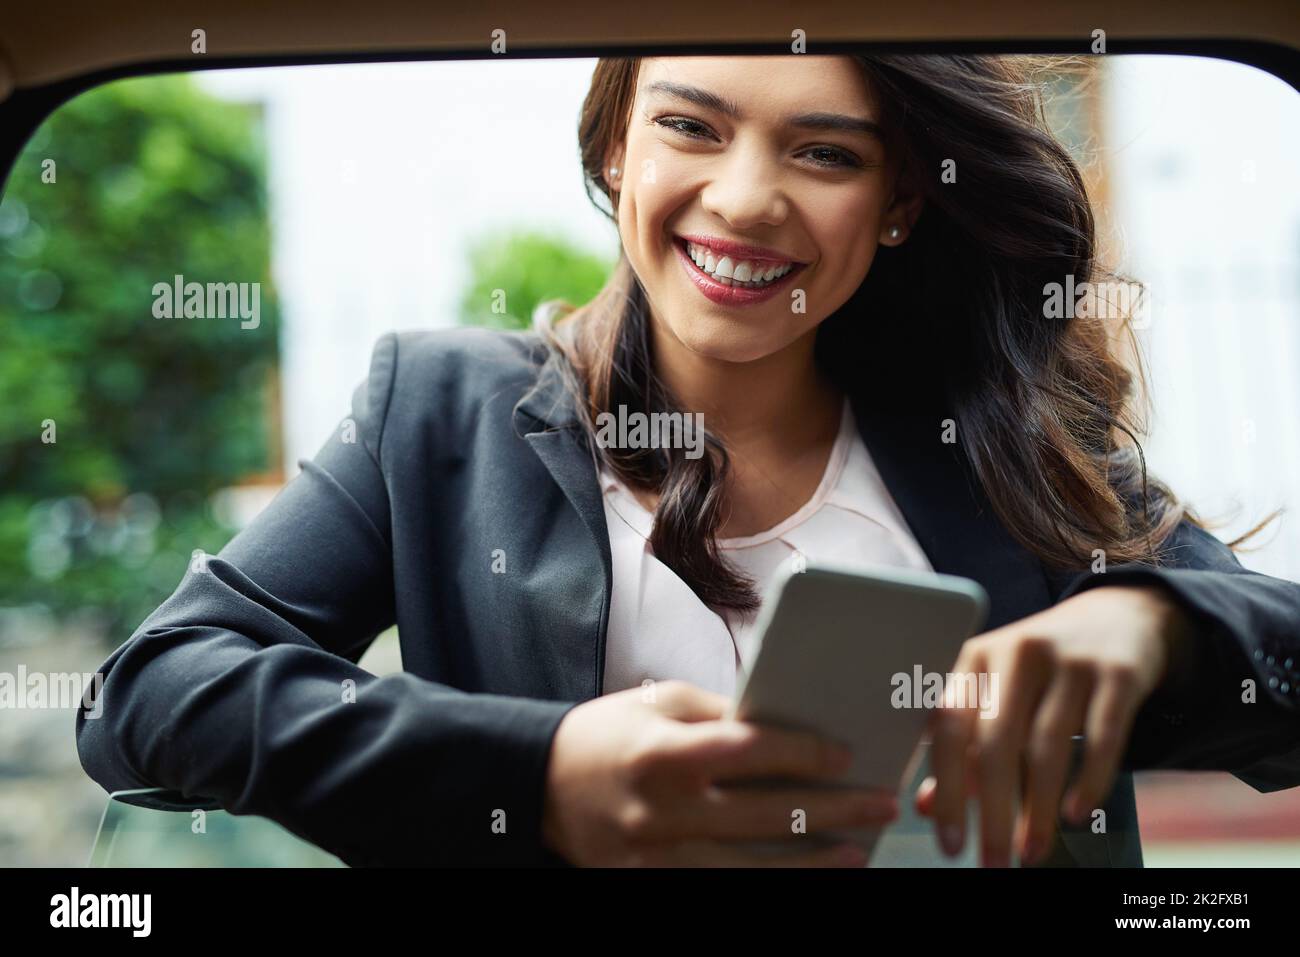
(1045, 409)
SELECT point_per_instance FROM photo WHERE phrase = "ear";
(901, 215)
(614, 158)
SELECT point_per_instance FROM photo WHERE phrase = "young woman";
(838, 266)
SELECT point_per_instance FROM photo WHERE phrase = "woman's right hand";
(639, 778)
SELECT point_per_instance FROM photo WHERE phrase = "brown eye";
(840, 157)
(681, 124)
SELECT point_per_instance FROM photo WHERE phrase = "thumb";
(684, 701)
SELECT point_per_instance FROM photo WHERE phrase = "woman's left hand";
(1084, 666)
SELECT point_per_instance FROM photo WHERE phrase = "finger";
(924, 803)
(737, 813)
(1105, 732)
(736, 750)
(1047, 758)
(683, 701)
(999, 742)
(951, 729)
(718, 854)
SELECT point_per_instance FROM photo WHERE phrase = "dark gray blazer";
(234, 692)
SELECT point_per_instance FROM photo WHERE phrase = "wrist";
(551, 825)
(1176, 631)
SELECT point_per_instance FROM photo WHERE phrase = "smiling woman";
(836, 266)
(943, 168)
(801, 231)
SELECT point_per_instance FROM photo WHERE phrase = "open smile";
(729, 281)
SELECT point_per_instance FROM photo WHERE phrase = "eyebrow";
(823, 122)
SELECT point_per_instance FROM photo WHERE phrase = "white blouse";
(659, 629)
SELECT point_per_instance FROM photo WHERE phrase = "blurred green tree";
(513, 272)
(151, 178)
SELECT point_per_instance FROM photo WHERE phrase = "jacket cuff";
(490, 816)
(1200, 718)
(511, 830)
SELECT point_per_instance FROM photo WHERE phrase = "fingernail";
(950, 839)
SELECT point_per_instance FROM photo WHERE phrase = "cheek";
(653, 196)
(846, 226)
(647, 205)
(846, 223)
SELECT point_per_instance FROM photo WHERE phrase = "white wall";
(1202, 155)
(381, 175)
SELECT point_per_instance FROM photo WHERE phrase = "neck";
(781, 398)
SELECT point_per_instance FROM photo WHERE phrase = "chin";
(729, 341)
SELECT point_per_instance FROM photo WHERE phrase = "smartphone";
(861, 656)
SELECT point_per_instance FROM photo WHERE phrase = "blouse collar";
(859, 490)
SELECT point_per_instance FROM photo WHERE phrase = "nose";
(747, 190)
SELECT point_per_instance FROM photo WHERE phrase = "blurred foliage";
(514, 272)
(153, 178)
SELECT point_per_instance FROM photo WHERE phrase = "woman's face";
(781, 153)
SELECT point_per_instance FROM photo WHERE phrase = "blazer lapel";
(947, 511)
(548, 420)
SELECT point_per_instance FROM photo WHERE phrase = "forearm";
(391, 770)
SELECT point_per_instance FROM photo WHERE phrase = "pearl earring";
(613, 171)
(894, 232)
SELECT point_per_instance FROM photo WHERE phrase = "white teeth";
(729, 271)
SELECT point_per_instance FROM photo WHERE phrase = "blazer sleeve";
(1236, 706)
(242, 688)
